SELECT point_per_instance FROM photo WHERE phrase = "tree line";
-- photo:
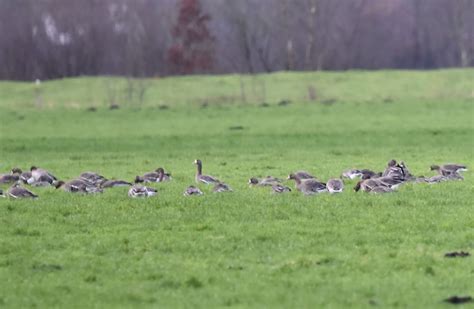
(59, 38)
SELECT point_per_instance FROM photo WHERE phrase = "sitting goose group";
(394, 175)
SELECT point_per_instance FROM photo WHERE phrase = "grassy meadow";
(248, 248)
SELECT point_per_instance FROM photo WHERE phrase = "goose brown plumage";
(204, 178)
(308, 186)
(16, 191)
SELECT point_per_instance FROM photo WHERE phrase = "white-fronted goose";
(158, 175)
(335, 185)
(436, 179)
(114, 183)
(16, 191)
(303, 175)
(141, 191)
(381, 189)
(25, 176)
(13, 177)
(448, 169)
(78, 186)
(393, 169)
(308, 186)
(278, 188)
(267, 181)
(351, 174)
(192, 190)
(368, 185)
(204, 178)
(406, 172)
(221, 187)
(391, 182)
(367, 174)
(93, 178)
(41, 175)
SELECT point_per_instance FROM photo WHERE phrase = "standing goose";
(141, 191)
(204, 178)
(78, 186)
(335, 185)
(308, 186)
(278, 188)
(16, 192)
(192, 190)
(13, 177)
(221, 187)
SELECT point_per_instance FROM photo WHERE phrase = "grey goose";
(204, 178)
(158, 175)
(308, 186)
(141, 191)
(369, 185)
(192, 190)
(267, 181)
(449, 169)
(335, 185)
(12, 177)
(278, 188)
(221, 187)
(18, 192)
(41, 175)
(111, 183)
(78, 186)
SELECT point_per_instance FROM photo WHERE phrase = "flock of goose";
(393, 176)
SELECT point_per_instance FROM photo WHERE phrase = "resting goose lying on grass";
(16, 191)
(308, 186)
(278, 188)
(115, 183)
(158, 175)
(267, 181)
(13, 177)
(41, 177)
(221, 187)
(78, 186)
(192, 190)
(335, 185)
(141, 191)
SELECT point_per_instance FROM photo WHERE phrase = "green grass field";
(248, 248)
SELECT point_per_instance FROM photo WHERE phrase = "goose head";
(357, 186)
(434, 167)
(139, 179)
(253, 181)
(16, 170)
(59, 184)
(33, 168)
(392, 163)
